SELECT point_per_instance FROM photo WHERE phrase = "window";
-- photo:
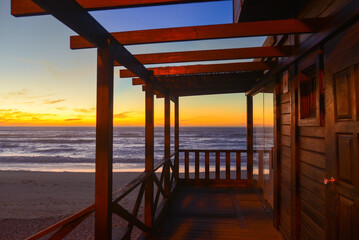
(308, 80)
(311, 90)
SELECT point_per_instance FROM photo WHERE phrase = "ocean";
(72, 149)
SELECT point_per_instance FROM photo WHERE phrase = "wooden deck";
(216, 213)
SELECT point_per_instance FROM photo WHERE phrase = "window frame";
(316, 59)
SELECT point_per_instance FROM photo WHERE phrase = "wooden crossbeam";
(28, 8)
(78, 19)
(210, 55)
(243, 29)
(195, 69)
(238, 76)
(123, 213)
(198, 92)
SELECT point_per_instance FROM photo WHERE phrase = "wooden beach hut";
(309, 62)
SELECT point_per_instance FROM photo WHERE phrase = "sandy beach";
(31, 201)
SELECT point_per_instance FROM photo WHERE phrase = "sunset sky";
(44, 83)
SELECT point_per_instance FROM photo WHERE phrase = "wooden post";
(276, 157)
(207, 165)
(238, 166)
(196, 165)
(228, 165)
(149, 153)
(167, 141)
(177, 137)
(250, 139)
(295, 200)
(260, 169)
(104, 140)
(218, 165)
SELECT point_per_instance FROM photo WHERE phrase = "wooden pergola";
(170, 83)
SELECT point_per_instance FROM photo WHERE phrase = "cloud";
(15, 115)
(73, 119)
(21, 92)
(48, 65)
(61, 108)
(53, 101)
(84, 110)
(123, 115)
(26, 94)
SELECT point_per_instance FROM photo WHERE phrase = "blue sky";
(43, 82)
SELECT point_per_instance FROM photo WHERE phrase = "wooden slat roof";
(206, 83)
(211, 68)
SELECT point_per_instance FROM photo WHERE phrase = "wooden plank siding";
(302, 205)
(310, 193)
(285, 166)
(312, 189)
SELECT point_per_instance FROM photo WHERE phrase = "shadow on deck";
(200, 212)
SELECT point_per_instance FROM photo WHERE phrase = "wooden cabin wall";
(302, 157)
(311, 171)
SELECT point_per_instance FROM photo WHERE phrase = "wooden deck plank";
(198, 212)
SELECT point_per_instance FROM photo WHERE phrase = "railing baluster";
(260, 168)
(197, 165)
(228, 165)
(186, 165)
(207, 164)
(218, 160)
(238, 165)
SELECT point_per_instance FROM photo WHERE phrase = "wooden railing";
(221, 166)
(64, 227)
(191, 166)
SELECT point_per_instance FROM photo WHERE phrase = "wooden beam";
(177, 79)
(211, 55)
(28, 8)
(104, 144)
(213, 68)
(149, 153)
(78, 19)
(210, 91)
(138, 81)
(245, 29)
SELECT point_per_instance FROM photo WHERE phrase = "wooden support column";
(177, 137)
(295, 201)
(104, 139)
(276, 157)
(250, 139)
(149, 153)
(167, 134)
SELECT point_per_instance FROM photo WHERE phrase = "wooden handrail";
(62, 223)
(78, 217)
(222, 150)
(143, 177)
(67, 225)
